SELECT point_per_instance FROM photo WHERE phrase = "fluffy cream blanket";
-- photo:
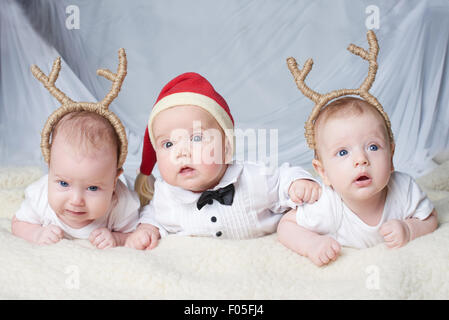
(205, 268)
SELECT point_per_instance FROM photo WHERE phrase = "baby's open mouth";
(186, 170)
(363, 180)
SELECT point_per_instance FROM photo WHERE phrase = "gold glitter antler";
(322, 99)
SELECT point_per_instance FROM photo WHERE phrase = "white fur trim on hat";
(196, 99)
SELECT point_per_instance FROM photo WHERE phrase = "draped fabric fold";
(241, 46)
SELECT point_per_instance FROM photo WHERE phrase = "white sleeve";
(126, 212)
(279, 183)
(417, 204)
(148, 214)
(32, 209)
(322, 216)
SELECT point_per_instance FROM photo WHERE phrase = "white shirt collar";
(181, 195)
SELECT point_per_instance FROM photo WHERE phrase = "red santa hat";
(187, 89)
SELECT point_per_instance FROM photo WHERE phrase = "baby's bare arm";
(398, 233)
(320, 249)
(24, 230)
(36, 233)
(293, 236)
(419, 227)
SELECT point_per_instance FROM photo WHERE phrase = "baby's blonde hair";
(144, 186)
(86, 130)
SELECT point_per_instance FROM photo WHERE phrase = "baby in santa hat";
(202, 192)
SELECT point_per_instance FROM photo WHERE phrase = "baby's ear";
(392, 147)
(318, 166)
(119, 172)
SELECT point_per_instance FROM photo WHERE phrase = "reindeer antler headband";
(322, 99)
(68, 105)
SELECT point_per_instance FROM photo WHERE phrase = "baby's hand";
(146, 237)
(304, 190)
(395, 232)
(323, 250)
(102, 238)
(49, 234)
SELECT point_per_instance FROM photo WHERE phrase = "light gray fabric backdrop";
(241, 46)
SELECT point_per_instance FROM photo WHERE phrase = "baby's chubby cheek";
(212, 169)
(53, 200)
(208, 154)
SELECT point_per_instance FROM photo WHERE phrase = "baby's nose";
(361, 160)
(183, 149)
(77, 199)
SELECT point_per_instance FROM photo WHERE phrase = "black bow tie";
(223, 195)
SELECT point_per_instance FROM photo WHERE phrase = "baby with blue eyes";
(202, 191)
(82, 196)
(364, 202)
